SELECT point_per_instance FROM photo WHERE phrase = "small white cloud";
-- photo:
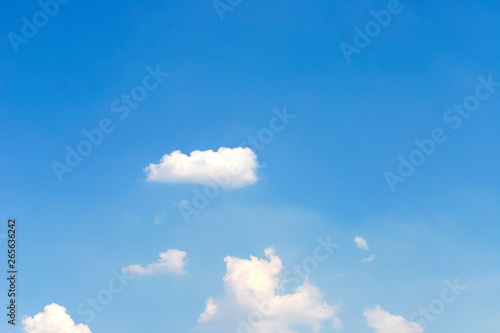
(53, 319)
(229, 168)
(384, 322)
(339, 275)
(372, 257)
(254, 289)
(180, 204)
(170, 262)
(361, 243)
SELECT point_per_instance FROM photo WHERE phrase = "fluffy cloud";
(53, 319)
(228, 167)
(384, 322)
(171, 262)
(255, 301)
(361, 243)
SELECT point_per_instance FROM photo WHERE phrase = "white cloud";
(255, 301)
(228, 167)
(171, 262)
(384, 322)
(372, 257)
(361, 243)
(53, 319)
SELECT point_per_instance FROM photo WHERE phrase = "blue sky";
(322, 175)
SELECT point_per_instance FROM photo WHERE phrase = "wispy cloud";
(384, 322)
(372, 257)
(361, 243)
(170, 262)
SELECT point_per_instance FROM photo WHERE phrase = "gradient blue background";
(323, 175)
